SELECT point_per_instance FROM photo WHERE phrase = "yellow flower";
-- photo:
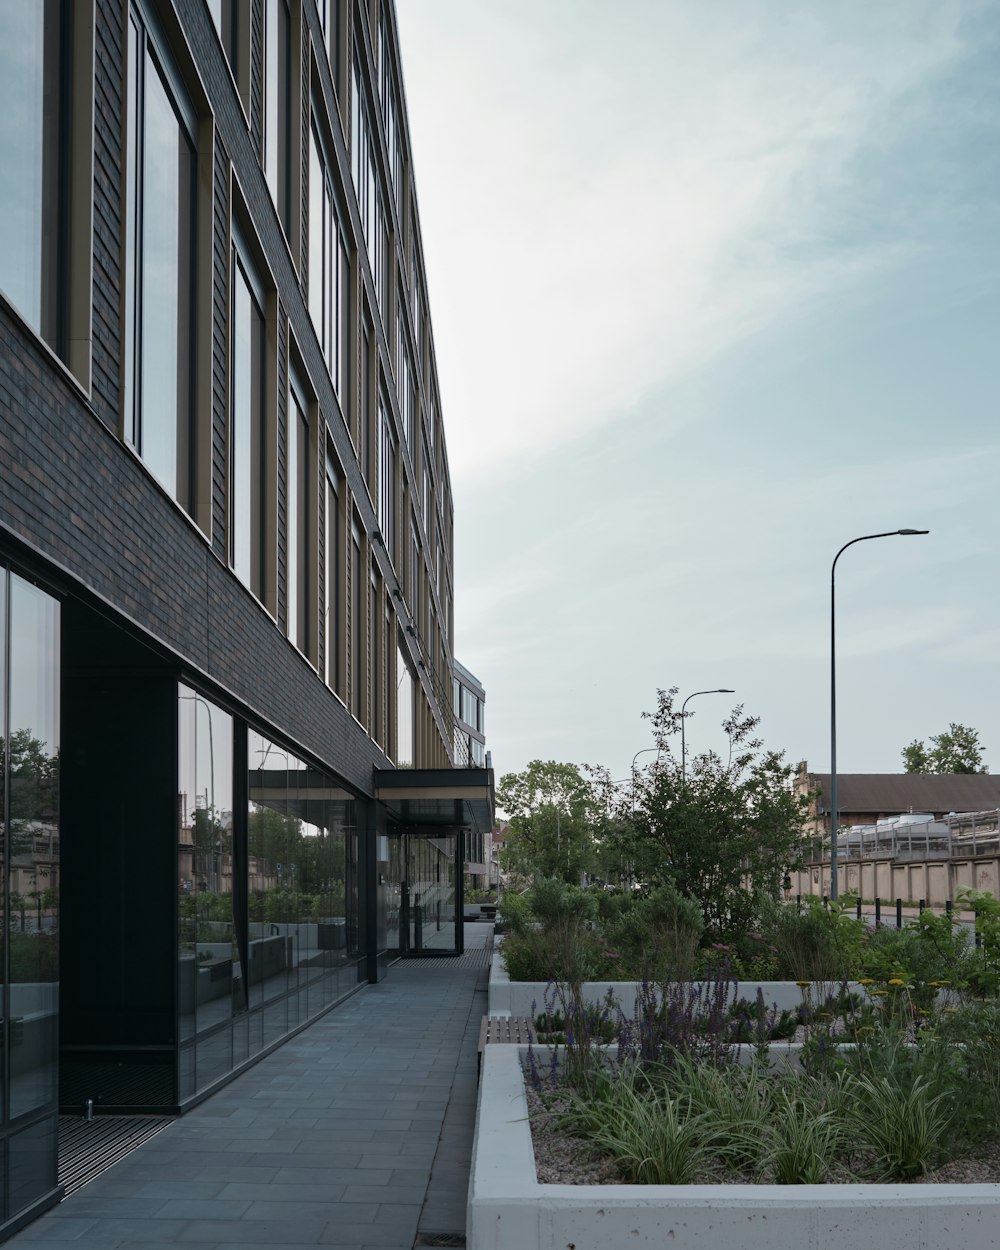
(803, 984)
(895, 981)
(866, 981)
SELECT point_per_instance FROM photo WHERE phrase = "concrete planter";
(509, 1209)
(527, 998)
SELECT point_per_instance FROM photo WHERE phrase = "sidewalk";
(356, 1133)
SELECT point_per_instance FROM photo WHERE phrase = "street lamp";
(834, 892)
(721, 690)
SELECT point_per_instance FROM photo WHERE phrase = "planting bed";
(510, 1210)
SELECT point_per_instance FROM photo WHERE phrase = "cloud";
(622, 207)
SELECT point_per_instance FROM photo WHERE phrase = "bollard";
(859, 906)
(88, 1110)
(798, 902)
(947, 907)
(899, 913)
(826, 902)
(878, 913)
(921, 904)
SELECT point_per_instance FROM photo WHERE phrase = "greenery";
(553, 813)
(722, 833)
(915, 1090)
(957, 750)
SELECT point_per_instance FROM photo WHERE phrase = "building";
(469, 710)
(226, 535)
(908, 836)
(865, 798)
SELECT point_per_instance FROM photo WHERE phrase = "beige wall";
(936, 880)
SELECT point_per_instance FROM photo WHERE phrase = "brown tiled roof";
(903, 792)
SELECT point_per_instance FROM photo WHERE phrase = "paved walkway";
(356, 1133)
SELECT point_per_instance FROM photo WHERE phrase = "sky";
(715, 289)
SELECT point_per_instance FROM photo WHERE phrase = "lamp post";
(644, 751)
(721, 690)
(834, 892)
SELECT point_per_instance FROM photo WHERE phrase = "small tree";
(958, 750)
(727, 832)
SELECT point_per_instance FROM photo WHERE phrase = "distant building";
(865, 798)
(469, 712)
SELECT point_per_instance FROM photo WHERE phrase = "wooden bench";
(508, 1030)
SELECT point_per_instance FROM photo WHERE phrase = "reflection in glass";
(428, 893)
(404, 712)
(159, 249)
(210, 979)
(297, 521)
(30, 106)
(246, 477)
(277, 103)
(303, 899)
(31, 757)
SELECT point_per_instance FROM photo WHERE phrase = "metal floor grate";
(479, 957)
(89, 1147)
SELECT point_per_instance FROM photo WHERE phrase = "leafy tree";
(552, 813)
(958, 750)
(727, 832)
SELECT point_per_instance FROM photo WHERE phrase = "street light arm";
(865, 537)
(720, 690)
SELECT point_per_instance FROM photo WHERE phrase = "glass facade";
(268, 910)
(304, 900)
(31, 167)
(29, 824)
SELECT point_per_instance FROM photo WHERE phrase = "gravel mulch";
(561, 1159)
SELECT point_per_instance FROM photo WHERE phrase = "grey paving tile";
(367, 1235)
(398, 1195)
(66, 1229)
(285, 1193)
(109, 1232)
(277, 1233)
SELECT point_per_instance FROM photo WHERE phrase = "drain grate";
(456, 1240)
(89, 1147)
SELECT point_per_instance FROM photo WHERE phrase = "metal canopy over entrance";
(429, 812)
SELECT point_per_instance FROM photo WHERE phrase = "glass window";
(404, 712)
(368, 191)
(414, 565)
(386, 479)
(32, 182)
(247, 476)
(211, 985)
(31, 762)
(363, 437)
(329, 269)
(303, 888)
(297, 527)
(374, 662)
(277, 106)
(357, 625)
(331, 565)
(159, 262)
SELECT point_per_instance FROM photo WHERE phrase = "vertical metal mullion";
(241, 854)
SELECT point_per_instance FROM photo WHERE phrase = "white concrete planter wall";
(527, 998)
(510, 1210)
